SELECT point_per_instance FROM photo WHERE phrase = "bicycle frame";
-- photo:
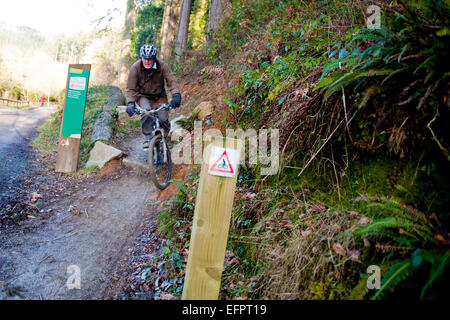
(155, 125)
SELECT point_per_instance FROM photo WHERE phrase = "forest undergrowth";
(364, 166)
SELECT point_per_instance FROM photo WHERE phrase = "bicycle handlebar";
(143, 112)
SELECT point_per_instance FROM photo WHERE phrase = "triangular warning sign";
(223, 164)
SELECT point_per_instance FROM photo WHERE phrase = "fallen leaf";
(339, 249)
(335, 227)
(168, 296)
(269, 223)
(366, 242)
(440, 238)
(364, 221)
(250, 195)
(286, 222)
(305, 233)
(353, 254)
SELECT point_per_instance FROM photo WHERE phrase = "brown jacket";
(150, 82)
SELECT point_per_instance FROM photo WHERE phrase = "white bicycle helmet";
(148, 51)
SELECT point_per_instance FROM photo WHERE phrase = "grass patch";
(133, 124)
(47, 139)
(88, 170)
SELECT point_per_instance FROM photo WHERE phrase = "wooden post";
(69, 144)
(211, 221)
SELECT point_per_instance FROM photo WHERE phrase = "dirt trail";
(91, 225)
(90, 230)
(17, 127)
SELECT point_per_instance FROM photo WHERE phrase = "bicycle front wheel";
(160, 162)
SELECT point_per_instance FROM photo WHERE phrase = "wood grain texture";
(210, 229)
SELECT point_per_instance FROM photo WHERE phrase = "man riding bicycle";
(145, 86)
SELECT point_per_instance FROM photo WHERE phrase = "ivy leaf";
(343, 53)
(417, 258)
(180, 184)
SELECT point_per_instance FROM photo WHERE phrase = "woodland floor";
(53, 221)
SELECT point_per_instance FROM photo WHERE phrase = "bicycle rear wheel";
(160, 166)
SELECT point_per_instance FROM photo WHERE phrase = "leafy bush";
(399, 73)
(148, 23)
(413, 240)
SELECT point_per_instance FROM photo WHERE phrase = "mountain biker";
(146, 87)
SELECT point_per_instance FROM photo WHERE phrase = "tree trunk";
(168, 28)
(125, 52)
(183, 27)
(215, 14)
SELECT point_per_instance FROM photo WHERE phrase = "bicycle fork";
(164, 152)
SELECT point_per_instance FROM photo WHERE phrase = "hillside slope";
(364, 169)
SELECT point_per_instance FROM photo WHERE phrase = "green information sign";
(77, 87)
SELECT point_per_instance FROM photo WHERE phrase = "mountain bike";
(159, 160)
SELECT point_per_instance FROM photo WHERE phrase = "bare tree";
(183, 27)
(169, 26)
(125, 52)
(215, 14)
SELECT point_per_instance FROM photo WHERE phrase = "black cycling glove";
(176, 100)
(131, 108)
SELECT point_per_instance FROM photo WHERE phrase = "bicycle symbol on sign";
(222, 165)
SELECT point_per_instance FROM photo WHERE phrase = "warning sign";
(223, 162)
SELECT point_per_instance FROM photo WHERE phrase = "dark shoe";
(146, 144)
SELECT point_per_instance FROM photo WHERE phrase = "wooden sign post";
(212, 219)
(73, 115)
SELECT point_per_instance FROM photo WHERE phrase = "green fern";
(379, 225)
(399, 272)
(359, 291)
(410, 58)
(412, 221)
(439, 264)
(350, 77)
(416, 234)
(383, 225)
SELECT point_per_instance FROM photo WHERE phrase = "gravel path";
(81, 224)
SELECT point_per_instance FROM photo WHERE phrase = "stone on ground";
(102, 153)
(204, 109)
(174, 126)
